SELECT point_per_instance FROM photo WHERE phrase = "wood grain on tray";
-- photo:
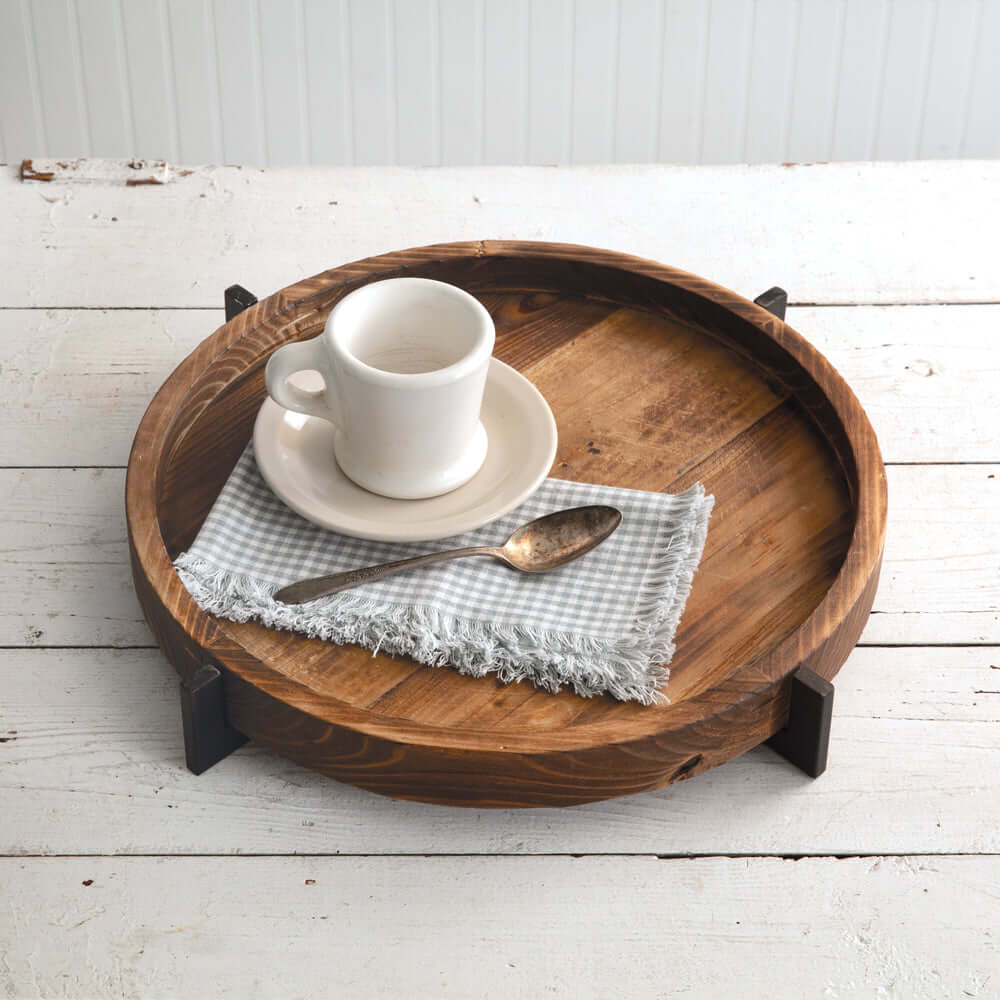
(657, 379)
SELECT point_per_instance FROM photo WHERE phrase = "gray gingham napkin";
(602, 624)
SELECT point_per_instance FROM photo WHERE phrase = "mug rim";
(468, 364)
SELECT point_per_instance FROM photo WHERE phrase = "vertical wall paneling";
(814, 85)
(303, 80)
(460, 80)
(455, 82)
(20, 113)
(416, 72)
(504, 80)
(907, 56)
(640, 37)
(105, 82)
(76, 68)
(685, 60)
(981, 129)
(195, 81)
(328, 81)
(859, 87)
(948, 79)
(123, 77)
(282, 51)
(237, 69)
(595, 75)
(772, 69)
(726, 80)
(144, 28)
(550, 74)
(373, 115)
(59, 83)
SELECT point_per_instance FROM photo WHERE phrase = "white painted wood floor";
(122, 875)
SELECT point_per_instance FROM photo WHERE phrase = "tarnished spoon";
(536, 547)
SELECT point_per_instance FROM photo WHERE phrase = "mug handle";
(301, 356)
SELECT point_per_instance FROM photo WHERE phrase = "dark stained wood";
(657, 379)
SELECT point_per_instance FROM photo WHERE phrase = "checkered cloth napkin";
(602, 624)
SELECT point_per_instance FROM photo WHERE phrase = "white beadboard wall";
(422, 82)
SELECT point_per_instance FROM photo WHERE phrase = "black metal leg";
(238, 299)
(208, 737)
(805, 740)
(774, 300)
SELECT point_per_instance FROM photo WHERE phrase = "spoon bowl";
(541, 545)
(553, 540)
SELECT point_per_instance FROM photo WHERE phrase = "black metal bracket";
(208, 736)
(774, 300)
(805, 740)
(238, 299)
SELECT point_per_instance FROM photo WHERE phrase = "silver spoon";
(536, 547)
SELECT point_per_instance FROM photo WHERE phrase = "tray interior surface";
(643, 398)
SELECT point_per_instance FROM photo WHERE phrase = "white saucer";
(295, 456)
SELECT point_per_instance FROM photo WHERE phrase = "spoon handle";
(322, 586)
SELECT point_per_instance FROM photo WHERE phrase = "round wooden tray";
(657, 379)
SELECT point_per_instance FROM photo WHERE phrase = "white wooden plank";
(682, 97)
(938, 582)
(948, 78)
(373, 112)
(907, 54)
(940, 626)
(866, 26)
(595, 71)
(66, 374)
(550, 70)
(283, 60)
(237, 62)
(819, 53)
(834, 233)
(71, 547)
(93, 763)
(328, 89)
(415, 73)
(640, 50)
(150, 75)
(925, 375)
(120, 173)
(502, 928)
(65, 527)
(60, 82)
(105, 79)
(726, 77)
(505, 55)
(772, 68)
(460, 23)
(981, 125)
(22, 124)
(942, 553)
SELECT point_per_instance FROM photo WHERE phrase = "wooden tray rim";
(751, 683)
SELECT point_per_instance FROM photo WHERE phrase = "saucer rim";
(498, 369)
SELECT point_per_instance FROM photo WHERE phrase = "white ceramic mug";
(404, 364)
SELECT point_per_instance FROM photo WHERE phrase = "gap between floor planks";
(679, 856)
